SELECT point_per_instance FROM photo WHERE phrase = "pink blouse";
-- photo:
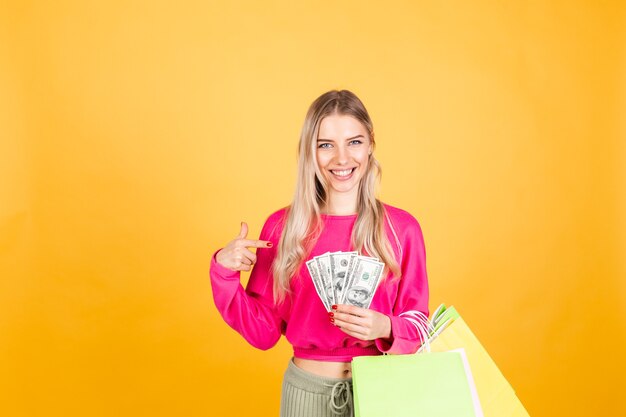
(302, 318)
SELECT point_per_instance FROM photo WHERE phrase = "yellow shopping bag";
(497, 397)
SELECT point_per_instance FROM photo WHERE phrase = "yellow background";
(135, 136)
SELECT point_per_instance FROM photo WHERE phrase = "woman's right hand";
(236, 255)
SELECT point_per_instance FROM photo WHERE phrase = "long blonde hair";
(303, 223)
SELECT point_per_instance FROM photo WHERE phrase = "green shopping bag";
(426, 385)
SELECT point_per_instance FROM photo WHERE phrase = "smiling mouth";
(343, 172)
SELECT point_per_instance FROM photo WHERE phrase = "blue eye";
(356, 140)
(322, 145)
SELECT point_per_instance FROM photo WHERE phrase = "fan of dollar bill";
(345, 278)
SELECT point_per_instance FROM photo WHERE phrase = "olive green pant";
(308, 395)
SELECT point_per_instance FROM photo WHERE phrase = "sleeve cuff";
(220, 270)
(399, 342)
(384, 344)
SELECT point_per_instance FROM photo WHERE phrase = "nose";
(342, 155)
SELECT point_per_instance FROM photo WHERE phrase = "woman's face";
(343, 148)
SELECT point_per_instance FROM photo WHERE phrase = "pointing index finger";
(250, 243)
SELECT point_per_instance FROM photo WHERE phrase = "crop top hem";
(335, 355)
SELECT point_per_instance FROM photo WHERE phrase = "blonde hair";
(303, 223)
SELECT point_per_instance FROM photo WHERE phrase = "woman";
(334, 209)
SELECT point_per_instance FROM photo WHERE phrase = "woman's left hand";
(362, 323)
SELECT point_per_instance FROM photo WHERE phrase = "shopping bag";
(497, 397)
(436, 384)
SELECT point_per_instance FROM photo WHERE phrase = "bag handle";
(423, 326)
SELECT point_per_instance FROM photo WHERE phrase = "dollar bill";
(317, 282)
(351, 264)
(323, 266)
(366, 274)
(339, 263)
(345, 278)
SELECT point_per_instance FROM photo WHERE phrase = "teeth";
(343, 173)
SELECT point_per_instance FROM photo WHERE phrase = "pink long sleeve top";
(302, 318)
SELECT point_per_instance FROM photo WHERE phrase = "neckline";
(339, 216)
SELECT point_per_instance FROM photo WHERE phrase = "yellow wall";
(135, 136)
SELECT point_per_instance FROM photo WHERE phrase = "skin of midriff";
(325, 368)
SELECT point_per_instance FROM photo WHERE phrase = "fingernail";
(331, 314)
(334, 307)
(332, 320)
(270, 244)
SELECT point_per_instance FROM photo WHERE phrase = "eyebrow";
(330, 140)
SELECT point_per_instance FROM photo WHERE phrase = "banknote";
(351, 265)
(323, 266)
(366, 274)
(317, 282)
(345, 278)
(339, 263)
